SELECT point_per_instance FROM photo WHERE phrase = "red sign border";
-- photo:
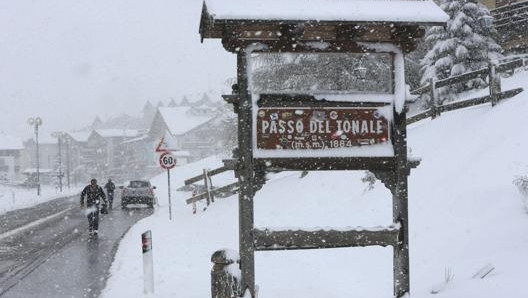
(161, 158)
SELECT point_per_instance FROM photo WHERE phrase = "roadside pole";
(148, 263)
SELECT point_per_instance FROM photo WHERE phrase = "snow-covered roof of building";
(80, 136)
(34, 170)
(45, 139)
(398, 11)
(8, 142)
(114, 133)
(181, 153)
(180, 120)
(137, 139)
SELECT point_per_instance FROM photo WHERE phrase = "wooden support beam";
(419, 116)
(301, 239)
(328, 163)
(388, 177)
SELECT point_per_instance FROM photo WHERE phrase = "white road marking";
(32, 224)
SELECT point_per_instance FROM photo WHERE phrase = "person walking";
(93, 193)
(110, 187)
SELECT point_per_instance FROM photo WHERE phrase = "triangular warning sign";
(162, 146)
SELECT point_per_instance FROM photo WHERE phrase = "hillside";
(465, 213)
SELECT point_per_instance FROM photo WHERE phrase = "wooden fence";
(492, 72)
(209, 193)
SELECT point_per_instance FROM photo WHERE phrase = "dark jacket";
(110, 186)
(93, 193)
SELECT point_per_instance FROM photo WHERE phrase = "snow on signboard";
(400, 11)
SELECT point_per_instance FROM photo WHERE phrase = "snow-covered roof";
(10, 142)
(111, 133)
(140, 138)
(181, 153)
(400, 11)
(180, 120)
(45, 139)
(34, 170)
(80, 136)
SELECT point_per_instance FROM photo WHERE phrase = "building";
(11, 149)
(104, 156)
(46, 166)
(138, 158)
(189, 131)
(76, 152)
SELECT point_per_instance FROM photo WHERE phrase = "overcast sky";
(70, 60)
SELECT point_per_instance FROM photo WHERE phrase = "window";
(139, 184)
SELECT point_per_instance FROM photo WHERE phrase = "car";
(137, 192)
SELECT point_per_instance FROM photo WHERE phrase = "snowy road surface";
(45, 250)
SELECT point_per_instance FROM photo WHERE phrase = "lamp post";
(36, 122)
(59, 136)
(68, 164)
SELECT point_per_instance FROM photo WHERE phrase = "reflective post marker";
(148, 263)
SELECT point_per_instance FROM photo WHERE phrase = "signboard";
(319, 128)
(167, 161)
(162, 146)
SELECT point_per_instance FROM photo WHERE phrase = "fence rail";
(491, 72)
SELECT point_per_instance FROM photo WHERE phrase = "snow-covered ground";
(465, 213)
(12, 198)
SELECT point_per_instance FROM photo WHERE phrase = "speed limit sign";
(167, 161)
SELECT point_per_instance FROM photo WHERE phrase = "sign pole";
(168, 186)
(168, 161)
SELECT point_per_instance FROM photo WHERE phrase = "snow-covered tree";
(465, 44)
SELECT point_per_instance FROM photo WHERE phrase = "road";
(45, 251)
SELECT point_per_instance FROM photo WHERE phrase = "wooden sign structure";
(353, 121)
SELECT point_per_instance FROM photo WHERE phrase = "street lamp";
(486, 22)
(36, 122)
(67, 141)
(59, 136)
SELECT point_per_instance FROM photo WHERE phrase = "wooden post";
(207, 188)
(246, 173)
(223, 283)
(433, 95)
(400, 207)
(494, 83)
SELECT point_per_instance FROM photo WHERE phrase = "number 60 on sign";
(167, 161)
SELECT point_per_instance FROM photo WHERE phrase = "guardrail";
(491, 72)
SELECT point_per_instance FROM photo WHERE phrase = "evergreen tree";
(97, 123)
(464, 45)
(185, 102)
(172, 103)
